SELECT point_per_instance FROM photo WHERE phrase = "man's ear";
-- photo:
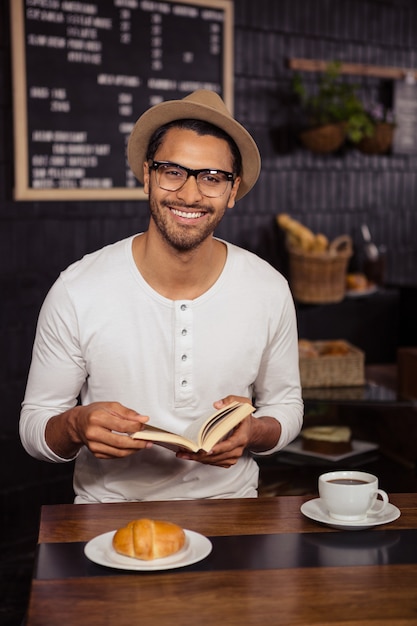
(232, 197)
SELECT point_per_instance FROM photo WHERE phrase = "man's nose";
(190, 189)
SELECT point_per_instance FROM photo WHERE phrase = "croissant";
(148, 539)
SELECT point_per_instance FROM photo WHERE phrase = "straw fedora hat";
(200, 105)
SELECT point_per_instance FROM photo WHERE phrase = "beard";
(184, 237)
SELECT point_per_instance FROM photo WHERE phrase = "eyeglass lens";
(211, 183)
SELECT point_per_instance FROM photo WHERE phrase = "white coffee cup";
(351, 495)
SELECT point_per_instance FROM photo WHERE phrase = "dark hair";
(201, 128)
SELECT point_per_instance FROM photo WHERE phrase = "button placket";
(183, 352)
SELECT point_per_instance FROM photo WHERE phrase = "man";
(165, 325)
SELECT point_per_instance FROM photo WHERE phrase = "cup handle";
(381, 505)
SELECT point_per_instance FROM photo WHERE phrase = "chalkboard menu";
(83, 72)
(405, 110)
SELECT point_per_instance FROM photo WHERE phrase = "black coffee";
(348, 481)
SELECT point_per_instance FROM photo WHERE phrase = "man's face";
(185, 218)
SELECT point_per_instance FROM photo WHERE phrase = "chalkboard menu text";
(83, 72)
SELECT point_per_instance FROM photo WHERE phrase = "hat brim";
(172, 110)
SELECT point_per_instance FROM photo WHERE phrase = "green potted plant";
(333, 114)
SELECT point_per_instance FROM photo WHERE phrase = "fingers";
(129, 421)
(104, 429)
(118, 446)
(224, 454)
(219, 404)
(223, 459)
(108, 445)
(208, 458)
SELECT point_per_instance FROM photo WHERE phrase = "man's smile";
(191, 215)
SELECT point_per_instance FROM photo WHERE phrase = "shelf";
(356, 69)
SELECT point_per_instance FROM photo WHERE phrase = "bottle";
(374, 258)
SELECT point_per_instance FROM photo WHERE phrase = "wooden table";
(319, 575)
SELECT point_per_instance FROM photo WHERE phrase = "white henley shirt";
(104, 334)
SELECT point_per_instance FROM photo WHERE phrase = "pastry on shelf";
(331, 440)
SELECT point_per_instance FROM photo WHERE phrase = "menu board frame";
(23, 189)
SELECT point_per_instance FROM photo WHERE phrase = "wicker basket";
(345, 370)
(381, 140)
(320, 277)
(324, 139)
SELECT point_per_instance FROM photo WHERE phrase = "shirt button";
(184, 331)
(184, 383)
(183, 307)
(184, 357)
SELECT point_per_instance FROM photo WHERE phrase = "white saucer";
(315, 510)
(100, 551)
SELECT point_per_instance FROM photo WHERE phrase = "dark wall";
(332, 194)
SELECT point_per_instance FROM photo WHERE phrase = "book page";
(221, 428)
(195, 431)
(152, 433)
(214, 427)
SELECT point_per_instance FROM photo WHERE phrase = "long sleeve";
(57, 371)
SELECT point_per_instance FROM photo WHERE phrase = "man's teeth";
(187, 214)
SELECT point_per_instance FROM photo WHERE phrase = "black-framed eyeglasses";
(171, 177)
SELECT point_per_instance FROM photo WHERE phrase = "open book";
(202, 434)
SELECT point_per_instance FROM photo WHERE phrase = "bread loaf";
(356, 282)
(307, 349)
(148, 539)
(299, 236)
(334, 348)
(310, 349)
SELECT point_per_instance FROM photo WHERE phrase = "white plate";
(100, 550)
(360, 293)
(358, 447)
(315, 510)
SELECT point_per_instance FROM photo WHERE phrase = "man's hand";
(101, 426)
(228, 451)
(254, 433)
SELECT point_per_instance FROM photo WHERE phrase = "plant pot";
(381, 140)
(324, 139)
